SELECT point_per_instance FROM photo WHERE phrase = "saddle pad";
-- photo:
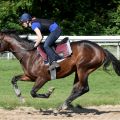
(63, 50)
(42, 53)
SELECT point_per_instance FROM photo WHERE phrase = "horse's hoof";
(63, 107)
(55, 112)
(51, 90)
(22, 100)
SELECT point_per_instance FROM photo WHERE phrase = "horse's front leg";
(15, 86)
(38, 84)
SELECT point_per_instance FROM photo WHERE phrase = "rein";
(22, 50)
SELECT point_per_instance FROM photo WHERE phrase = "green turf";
(104, 89)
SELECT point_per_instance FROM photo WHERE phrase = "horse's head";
(12, 42)
(4, 45)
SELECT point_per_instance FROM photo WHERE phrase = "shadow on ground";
(75, 110)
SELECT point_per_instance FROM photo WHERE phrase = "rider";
(39, 26)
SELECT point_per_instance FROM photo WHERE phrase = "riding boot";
(54, 65)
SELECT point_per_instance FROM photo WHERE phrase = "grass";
(104, 89)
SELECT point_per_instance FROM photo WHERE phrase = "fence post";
(8, 55)
(118, 51)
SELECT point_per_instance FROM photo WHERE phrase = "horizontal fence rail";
(78, 38)
(113, 41)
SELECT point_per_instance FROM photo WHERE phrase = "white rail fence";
(104, 41)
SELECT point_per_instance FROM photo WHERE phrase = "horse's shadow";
(75, 110)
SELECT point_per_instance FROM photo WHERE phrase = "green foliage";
(90, 17)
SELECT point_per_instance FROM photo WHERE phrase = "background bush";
(78, 17)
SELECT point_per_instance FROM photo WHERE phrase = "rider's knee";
(46, 46)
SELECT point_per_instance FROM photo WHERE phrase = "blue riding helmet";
(25, 17)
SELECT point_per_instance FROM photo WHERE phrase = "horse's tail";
(110, 58)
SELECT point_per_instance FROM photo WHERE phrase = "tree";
(78, 17)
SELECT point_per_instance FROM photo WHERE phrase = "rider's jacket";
(44, 25)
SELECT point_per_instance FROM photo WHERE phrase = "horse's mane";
(28, 44)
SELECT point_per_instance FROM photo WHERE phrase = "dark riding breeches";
(50, 40)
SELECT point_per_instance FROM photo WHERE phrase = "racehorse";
(86, 57)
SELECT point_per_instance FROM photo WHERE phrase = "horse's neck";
(19, 47)
(19, 51)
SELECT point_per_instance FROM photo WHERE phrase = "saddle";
(63, 49)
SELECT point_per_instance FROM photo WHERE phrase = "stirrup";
(54, 65)
(53, 74)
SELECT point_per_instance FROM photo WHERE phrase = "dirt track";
(88, 113)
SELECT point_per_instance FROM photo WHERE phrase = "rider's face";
(25, 24)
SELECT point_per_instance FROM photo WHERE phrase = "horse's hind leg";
(80, 87)
(38, 84)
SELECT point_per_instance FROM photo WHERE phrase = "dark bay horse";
(86, 57)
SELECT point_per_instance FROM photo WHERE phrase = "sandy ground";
(87, 113)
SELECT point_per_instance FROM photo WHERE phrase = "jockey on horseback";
(40, 26)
